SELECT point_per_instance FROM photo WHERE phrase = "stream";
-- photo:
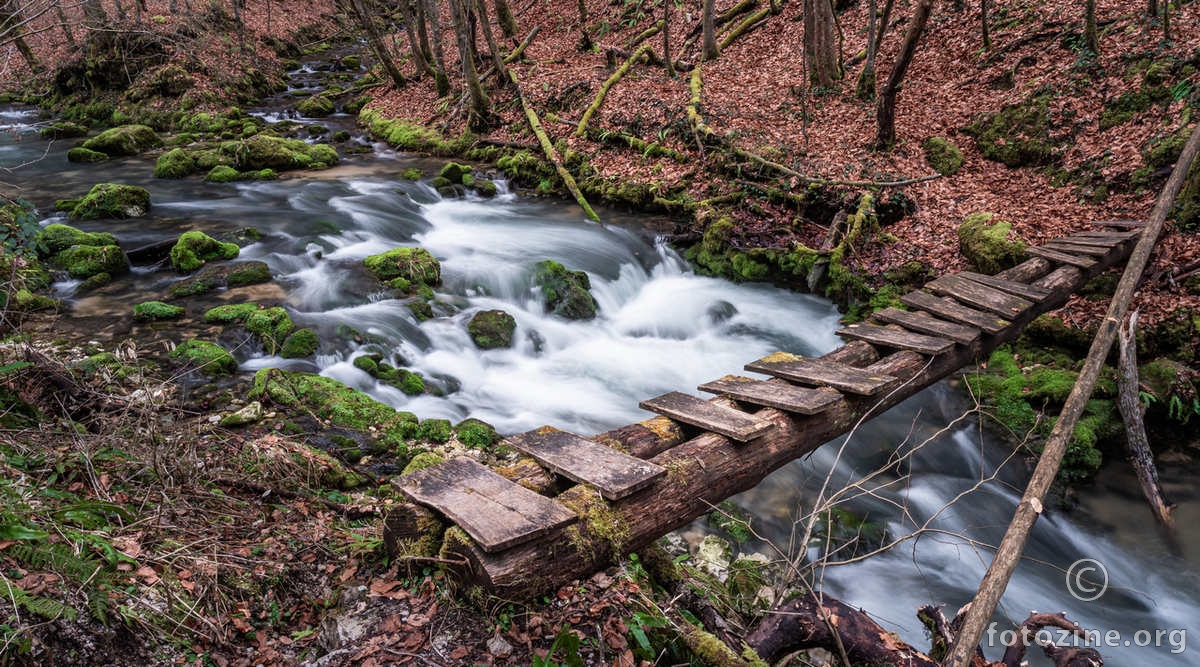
(660, 328)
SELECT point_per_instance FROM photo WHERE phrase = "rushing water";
(660, 328)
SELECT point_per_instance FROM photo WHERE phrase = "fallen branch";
(604, 88)
(1135, 431)
(619, 138)
(749, 23)
(549, 150)
(645, 34)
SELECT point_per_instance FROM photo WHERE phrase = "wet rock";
(123, 140)
(250, 414)
(112, 200)
(156, 310)
(491, 329)
(302, 343)
(565, 292)
(195, 248)
(85, 261)
(205, 356)
(317, 106)
(175, 163)
(714, 556)
(498, 647)
(412, 265)
(63, 130)
(81, 154)
(987, 245)
(57, 238)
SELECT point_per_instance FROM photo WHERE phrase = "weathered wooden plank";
(1115, 237)
(1072, 248)
(1023, 290)
(614, 473)
(955, 311)
(979, 295)
(1119, 223)
(898, 339)
(773, 394)
(923, 322)
(495, 512)
(822, 372)
(1087, 240)
(1060, 257)
(732, 424)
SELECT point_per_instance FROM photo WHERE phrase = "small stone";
(247, 415)
(498, 647)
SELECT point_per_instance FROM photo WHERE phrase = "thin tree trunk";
(508, 22)
(886, 108)
(583, 15)
(884, 20)
(367, 22)
(419, 53)
(666, 31)
(480, 114)
(1090, 37)
(1166, 18)
(439, 58)
(1152, 8)
(497, 58)
(1135, 430)
(991, 588)
(985, 32)
(819, 43)
(865, 90)
(93, 12)
(709, 31)
(10, 14)
(62, 20)
(418, 8)
(237, 17)
(120, 10)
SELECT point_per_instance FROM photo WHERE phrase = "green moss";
(66, 205)
(1052, 385)
(25, 301)
(223, 174)
(412, 264)
(272, 326)
(209, 357)
(422, 461)
(351, 62)
(63, 129)
(156, 310)
(420, 309)
(435, 430)
(490, 329)
(325, 397)
(81, 154)
(454, 172)
(317, 106)
(112, 200)
(403, 379)
(267, 152)
(410, 136)
(248, 273)
(945, 158)
(1019, 135)
(175, 163)
(302, 343)
(367, 364)
(1132, 102)
(124, 140)
(476, 434)
(987, 245)
(84, 261)
(565, 292)
(485, 188)
(412, 174)
(194, 248)
(230, 313)
(56, 238)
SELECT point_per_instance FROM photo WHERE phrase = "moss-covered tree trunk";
(63, 23)
(820, 46)
(480, 114)
(886, 108)
(1091, 38)
(11, 21)
(508, 22)
(984, 31)
(420, 50)
(708, 30)
(865, 89)
(497, 59)
(439, 57)
(366, 22)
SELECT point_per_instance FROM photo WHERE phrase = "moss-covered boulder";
(208, 357)
(112, 200)
(987, 245)
(476, 434)
(435, 430)
(81, 154)
(56, 238)
(350, 62)
(302, 343)
(422, 461)
(454, 172)
(85, 261)
(565, 292)
(248, 273)
(124, 140)
(267, 152)
(1019, 135)
(945, 158)
(195, 248)
(271, 326)
(327, 398)
(230, 313)
(412, 174)
(175, 163)
(414, 265)
(491, 329)
(223, 173)
(156, 310)
(63, 129)
(317, 106)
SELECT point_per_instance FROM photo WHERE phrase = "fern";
(47, 608)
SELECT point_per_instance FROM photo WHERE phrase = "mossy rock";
(945, 158)
(195, 248)
(339, 137)
(565, 292)
(415, 265)
(112, 200)
(63, 129)
(412, 174)
(422, 461)
(230, 313)
(175, 163)
(325, 397)
(403, 379)
(486, 188)
(124, 140)
(317, 106)
(987, 245)
(367, 364)
(302, 343)
(1187, 204)
(476, 434)
(208, 357)
(66, 205)
(1018, 135)
(271, 325)
(57, 237)
(156, 310)
(81, 154)
(248, 273)
(350, 62)
(454, 172)
(26, 301)
(266, 152)
(420, 309)
(435, 430)
(85, 261)
(491, 329)
(223, 173)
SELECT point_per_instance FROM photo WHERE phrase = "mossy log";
(551, 154)
(645, 34)
(749, 23)
(611, 81)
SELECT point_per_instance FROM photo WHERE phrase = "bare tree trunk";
(93, 12)
(120, 10)
(420, 54)
(819, 43)
(1135, 430)
(366, 21)
(480, 114)
(497, 59)
(508, 22)
(886, 108)
(63, 23)
(985, 32)
(865, 90)
(439, 58)
(1090, 37)
(241, 25)
(709, 31)
(583, 15)
(666, 32)
(418, 8)
(1152, 8)
(1166, 13)
(10, 14)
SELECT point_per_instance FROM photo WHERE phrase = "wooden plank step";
(496, 513)
(732, 424)
(1060, 257)
(923, 322)
(614, 473)
(1115, 237)
(773, 394)
(821, 372)
(1087, 240)
(978, 295)
(954, 311)
(1023, 290)
(1119, 223)
(896, 338)
(1078, 248)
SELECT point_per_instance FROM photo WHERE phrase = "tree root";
(604, 88)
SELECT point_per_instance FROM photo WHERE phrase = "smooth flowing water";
(660, 328)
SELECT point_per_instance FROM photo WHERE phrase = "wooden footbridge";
(638, 482)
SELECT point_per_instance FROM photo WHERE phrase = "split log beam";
(707, 469)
